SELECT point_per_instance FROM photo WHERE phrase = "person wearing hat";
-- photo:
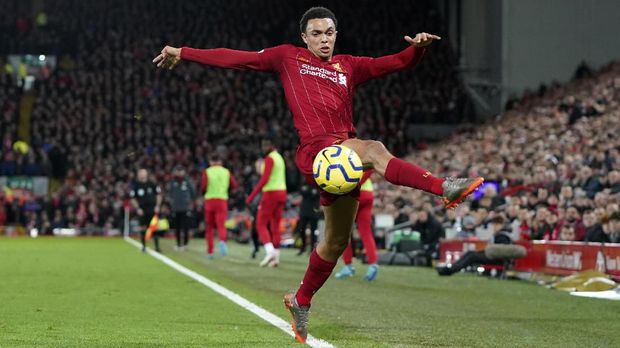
(480, 257)
(181, 194)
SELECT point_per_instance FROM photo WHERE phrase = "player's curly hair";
(316, 12)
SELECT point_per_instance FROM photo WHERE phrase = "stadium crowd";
(9, 101)
(553, 159)
(105, 111)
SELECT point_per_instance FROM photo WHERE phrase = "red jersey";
(319, 93)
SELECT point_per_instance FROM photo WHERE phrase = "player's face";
(320, 36)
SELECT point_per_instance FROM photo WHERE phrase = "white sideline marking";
(259, 311)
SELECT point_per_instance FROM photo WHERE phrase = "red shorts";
(306, 152)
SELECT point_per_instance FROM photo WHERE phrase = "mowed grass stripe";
(232, 296)
(405, 307)
(102, 292)
(413, 307)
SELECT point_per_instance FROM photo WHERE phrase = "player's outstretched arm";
(367, 68)
(265, 60)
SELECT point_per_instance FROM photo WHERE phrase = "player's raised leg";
(339, 218)
(399, 172)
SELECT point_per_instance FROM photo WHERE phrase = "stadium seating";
(554, 156)
(105, 106)
(106, 111)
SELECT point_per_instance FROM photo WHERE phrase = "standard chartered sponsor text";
(318, 72)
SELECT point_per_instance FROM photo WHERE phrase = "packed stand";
(106, 111)
(12, 161)
(551, 163)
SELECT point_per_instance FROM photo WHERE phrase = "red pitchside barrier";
(552, 257)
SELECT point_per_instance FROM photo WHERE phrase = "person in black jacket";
(431, 231)
(181, 194)
(594, 230)
(479, 257)
(309, 213)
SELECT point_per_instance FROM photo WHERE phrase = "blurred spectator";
(567, 233)
(468, 230)
(594, 229)
(612, 227)
(431, 231)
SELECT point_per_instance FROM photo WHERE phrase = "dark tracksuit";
(309, 213)
(181, 195)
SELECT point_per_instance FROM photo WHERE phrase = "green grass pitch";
(92, 292)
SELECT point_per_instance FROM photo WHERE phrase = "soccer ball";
(337, 169)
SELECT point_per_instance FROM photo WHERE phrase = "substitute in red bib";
(215, 183)
(272, 184)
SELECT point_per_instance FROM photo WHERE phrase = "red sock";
(403, 173)
(347, 255)
(317, 273)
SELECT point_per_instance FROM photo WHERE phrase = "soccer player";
(272, 184)
(319, 90)
(364, 222)
(215, 183)
(146, 198)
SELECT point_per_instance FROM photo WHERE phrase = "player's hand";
(168, 58)
(422, 39)
(140, 212)
(156, 210)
